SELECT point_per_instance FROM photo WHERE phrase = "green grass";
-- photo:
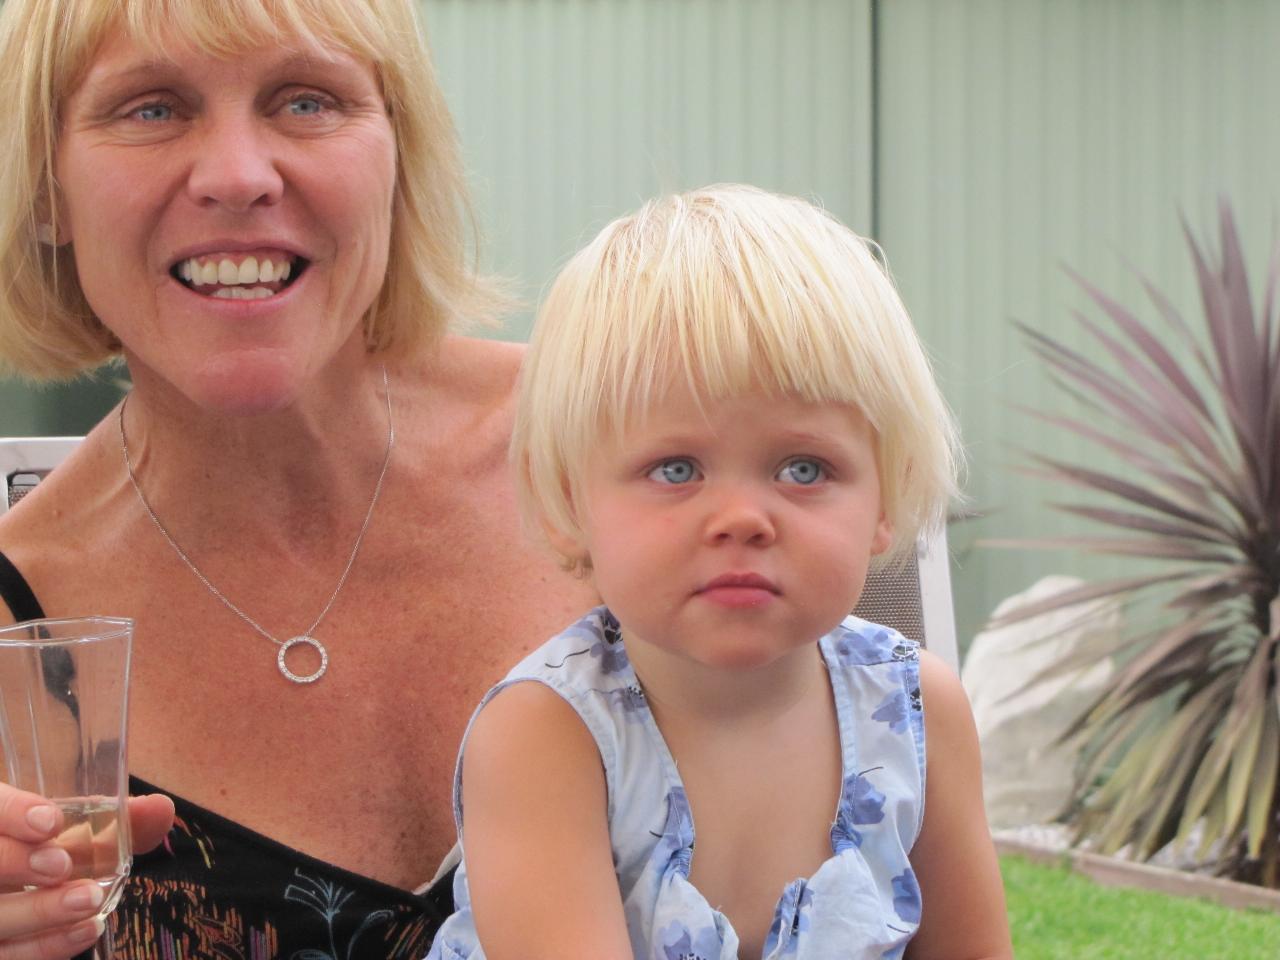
(1059, 915)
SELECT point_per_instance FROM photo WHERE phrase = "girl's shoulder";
(587, 654)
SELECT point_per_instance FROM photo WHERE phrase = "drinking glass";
(64, 688)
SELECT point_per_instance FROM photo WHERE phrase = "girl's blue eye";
(678, 470)
(153, 112)
(803, 471)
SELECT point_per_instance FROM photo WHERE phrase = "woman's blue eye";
(674, 471)
(803, 472)
(153, 112)
(305, 106)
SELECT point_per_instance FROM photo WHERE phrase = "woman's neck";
(301, 471)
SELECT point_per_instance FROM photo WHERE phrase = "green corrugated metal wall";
(985, 142)
(572, 112)
(1021, 136)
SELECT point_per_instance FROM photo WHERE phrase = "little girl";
(725, 416)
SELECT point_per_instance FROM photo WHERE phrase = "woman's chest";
(356, 768)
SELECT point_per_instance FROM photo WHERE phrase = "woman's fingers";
(27, 863)
(48, 924)
(27, 816)
(150, 818)
(27, 822)
(60, 944)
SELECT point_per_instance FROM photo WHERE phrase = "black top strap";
(16, 593)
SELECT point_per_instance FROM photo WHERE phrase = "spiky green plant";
(1187, 729)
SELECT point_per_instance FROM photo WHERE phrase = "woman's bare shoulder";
(463, 397)
(70, 515)
(480, 371)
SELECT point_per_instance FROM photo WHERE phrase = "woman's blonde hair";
(47, 328)
(733, 289)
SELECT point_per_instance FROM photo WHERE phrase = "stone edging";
(1114, 872)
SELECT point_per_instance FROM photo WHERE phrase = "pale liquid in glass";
(99, 851)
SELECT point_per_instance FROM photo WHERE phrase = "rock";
(1026, 778)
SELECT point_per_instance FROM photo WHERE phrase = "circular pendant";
(310, 677)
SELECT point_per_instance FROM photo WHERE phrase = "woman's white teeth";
(226, 272)
(241, 293)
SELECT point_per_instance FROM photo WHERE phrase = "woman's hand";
(58, 920)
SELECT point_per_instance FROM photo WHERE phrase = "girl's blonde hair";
(734, 289)
(47, 328)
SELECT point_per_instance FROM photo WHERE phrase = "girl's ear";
(883, 537)
(571, 547)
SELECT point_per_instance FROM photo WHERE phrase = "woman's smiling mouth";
(240, 276)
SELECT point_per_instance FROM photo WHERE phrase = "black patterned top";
(216, 890)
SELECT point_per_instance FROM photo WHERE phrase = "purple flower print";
(675, 849)
(613, 657)
(681, 943)
(867, 644)
(599, 635)
(628, 700)
(861, 804)
(893, 711)
(790, 920)
(864, 802)
(610, 629)
(906, 896)
(904, 650)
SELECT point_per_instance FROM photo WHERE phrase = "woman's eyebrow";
(143, 70)
(103, 85)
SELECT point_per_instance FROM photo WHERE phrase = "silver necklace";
(304, 639)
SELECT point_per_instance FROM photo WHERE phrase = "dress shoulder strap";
(16, 593)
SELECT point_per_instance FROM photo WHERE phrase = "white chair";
(24, 461)
(913, 597)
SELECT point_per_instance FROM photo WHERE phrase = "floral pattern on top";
(861, 804)
(895, 711)
(861, 904)
(906, 896)
(681, 943)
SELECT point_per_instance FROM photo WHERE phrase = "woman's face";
(230, 218)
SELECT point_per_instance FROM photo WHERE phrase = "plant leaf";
(1209, 778)
(1148, 524)
(1125, 490)
(1129, 451)
(1148, 344)
(1081, 594)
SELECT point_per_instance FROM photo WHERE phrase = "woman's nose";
(740, 515)
(235, 166)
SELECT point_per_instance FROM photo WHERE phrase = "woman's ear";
(47, 234)
(50, 221)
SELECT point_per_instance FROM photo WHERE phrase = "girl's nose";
(234, 166)
(740, 515)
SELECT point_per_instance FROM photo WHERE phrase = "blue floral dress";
(863, 902)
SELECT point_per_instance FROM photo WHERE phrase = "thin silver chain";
(305, 638)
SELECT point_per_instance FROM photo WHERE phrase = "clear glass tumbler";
(64, 699)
